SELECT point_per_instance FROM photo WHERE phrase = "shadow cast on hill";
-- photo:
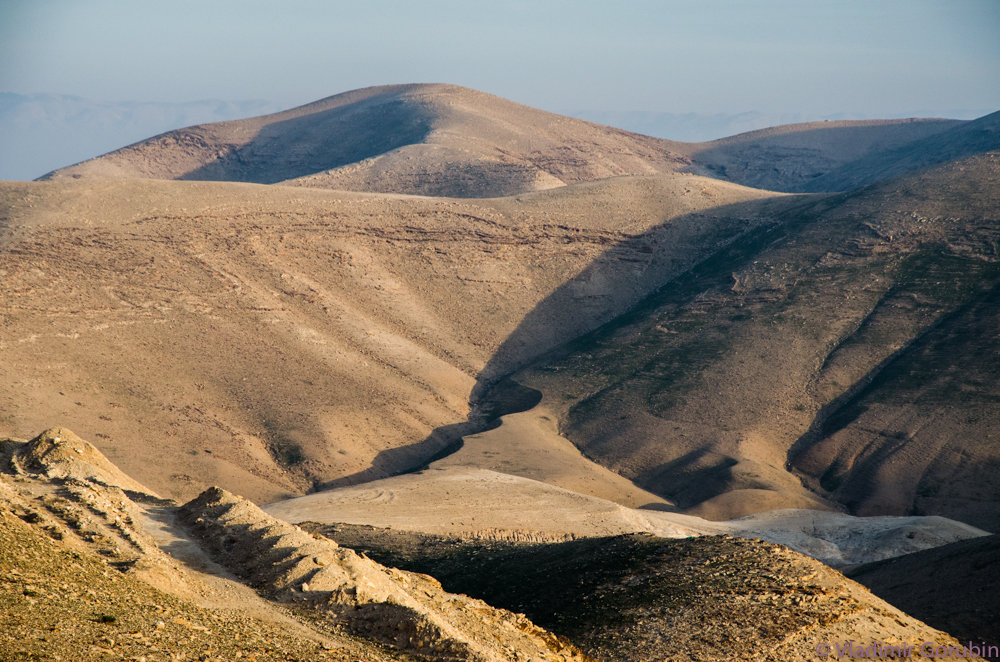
(320, 141)
(605, 296)
(812, 157)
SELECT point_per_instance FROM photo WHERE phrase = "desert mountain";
(444, 140)
(270, 339)
(836, 355)
(276, 340)
(970, 608)
(92, 571)
(962, 140)
(421, 139)
(802, 157)
(621, 345)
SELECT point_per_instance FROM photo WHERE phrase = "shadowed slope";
(270, 339)
(954, 587)
(795, 157)
(699, 393)
(922, 434)
(958, 142)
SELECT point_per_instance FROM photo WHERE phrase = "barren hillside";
(423, 139)
(92, 571)
(326, 313)
(802, 157)
(846, 344)
(960, 141)
(270, 339)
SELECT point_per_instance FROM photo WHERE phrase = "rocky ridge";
(100, 573)
(59, 500)
(408, 611)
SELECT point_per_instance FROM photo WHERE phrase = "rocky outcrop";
(406, 610)
(59, 453)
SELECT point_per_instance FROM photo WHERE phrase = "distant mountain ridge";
(708, 126)
(445, 140)
(429, 139)
(42, 132)
(754, 341)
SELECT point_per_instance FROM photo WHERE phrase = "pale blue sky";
(811, 57)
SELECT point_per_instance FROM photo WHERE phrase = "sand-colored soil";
(270, 339)
(483, 504)
(836, 358)
(529, 445)
(427, 308)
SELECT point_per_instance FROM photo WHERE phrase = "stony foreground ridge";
(406, 610)
(58, 490)
(640, 597)
(91, 572)
(82, 577)
(58, 453)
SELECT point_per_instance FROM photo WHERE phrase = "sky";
(79, 78)
(806, 57)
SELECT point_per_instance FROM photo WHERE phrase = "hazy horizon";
(714, 56)
(658, 66)
(42, 132)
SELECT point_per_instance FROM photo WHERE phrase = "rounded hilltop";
(424, 139)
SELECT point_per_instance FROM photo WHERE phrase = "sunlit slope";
(430, 139)
(270, 339)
